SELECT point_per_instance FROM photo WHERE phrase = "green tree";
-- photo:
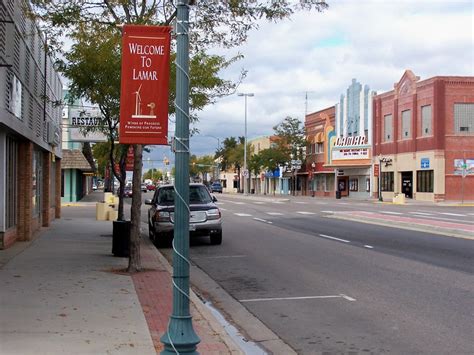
(291, 135)
(92, 65)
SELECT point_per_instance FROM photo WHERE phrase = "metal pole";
(245, 141)
(245, 149)
(380, 180)
(180, 336)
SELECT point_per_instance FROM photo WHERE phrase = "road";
(333, 285)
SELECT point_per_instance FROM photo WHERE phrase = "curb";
(197, 302)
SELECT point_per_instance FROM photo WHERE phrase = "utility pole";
(180, 337)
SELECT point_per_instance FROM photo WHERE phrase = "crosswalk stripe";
(243, 214)
(304, 212)
(452, 214)
(274, 213)
(390, 212)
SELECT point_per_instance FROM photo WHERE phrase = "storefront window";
(353, 185)
(330, 181)
(36, 182)
(11, 181)
(424, 181)
(387, 181)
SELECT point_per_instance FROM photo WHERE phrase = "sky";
(303, 64)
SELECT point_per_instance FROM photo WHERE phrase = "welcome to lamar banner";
(144, 84)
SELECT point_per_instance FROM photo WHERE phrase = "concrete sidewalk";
(64, 293)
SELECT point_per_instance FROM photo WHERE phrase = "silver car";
(205, 217)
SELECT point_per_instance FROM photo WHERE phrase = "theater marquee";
(347, 148)
(145, 84)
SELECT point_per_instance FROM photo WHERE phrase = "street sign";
(245, 173)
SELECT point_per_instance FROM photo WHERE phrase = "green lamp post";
(180, 337)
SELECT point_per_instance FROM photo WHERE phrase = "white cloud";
(374, 41)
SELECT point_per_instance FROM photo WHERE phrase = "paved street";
(328, 284)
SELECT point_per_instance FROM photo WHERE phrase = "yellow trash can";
(101, 211)
(112, 215)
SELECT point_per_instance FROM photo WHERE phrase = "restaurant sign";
(145, 84)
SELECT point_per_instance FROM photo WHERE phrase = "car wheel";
(216, 238)
(151, 232)
(163, 240)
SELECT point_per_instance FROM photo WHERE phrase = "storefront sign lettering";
(351, 141)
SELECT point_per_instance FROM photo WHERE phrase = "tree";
(216, 23)
(291, 134)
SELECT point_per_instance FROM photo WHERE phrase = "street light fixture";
(246, 173)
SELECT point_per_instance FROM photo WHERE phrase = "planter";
(121, 238)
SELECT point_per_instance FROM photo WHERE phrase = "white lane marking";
(422, 213)
(243, 214)
(301, 202)
(344, 203)
(327, 211)
(297, 298)
(278, 202)
(262, 220)
(259, 203)
(452, 214)
(390, 212)
(368, 246)
(471, 214)
(220, 257)
(347, 297)
(334, 238)
(274, 213)
(223, 209)
(306, 213)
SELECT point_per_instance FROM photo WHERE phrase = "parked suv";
(204, 218)
(216, 187)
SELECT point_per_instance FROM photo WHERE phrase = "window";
(12, 182)
(387, 181)
(320, 148)
(464, 119)
(424, 181)
(353, 185)
(426, 121)
(406, 124)
(387, 128)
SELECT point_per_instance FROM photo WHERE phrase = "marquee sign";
(145, 84)
(350, 148)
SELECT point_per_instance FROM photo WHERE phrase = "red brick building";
(319, 130)
(425, 132)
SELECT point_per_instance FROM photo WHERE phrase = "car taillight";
(214, 213)
(162, 216)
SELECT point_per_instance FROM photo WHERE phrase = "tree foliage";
(291, 135)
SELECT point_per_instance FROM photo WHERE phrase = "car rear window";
(197, 194)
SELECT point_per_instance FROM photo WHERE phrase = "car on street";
(143, 188)
(205, 217)
(216, 187)
(150, 187)
(94, 187)
(128, 191)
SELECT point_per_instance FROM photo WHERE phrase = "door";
(343, 185)
(407, 184)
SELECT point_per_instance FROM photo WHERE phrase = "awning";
(74, 159)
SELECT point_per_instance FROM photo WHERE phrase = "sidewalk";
(64, 293)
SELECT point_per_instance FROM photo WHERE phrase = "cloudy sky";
(316, 55)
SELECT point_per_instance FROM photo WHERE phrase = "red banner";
(130, 159)
(145, 84)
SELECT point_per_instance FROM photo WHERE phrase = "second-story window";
(406, 124)
(387, 128)
(426, 121)
(464, 118)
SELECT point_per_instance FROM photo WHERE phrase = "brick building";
(424, 131)
(320, 132)
(30, 136)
